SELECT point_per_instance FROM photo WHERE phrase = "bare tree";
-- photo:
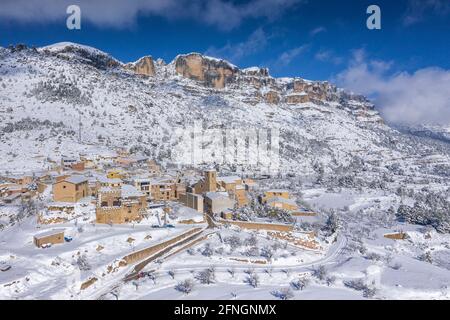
(252, 279)
(330, 280)
(185, 286)
(320, 273)
(268, 271)
(283, 294)
(206, 276)
(82, 263)
(152, 277)
(300, 284)
(207, 251)
(267, 253)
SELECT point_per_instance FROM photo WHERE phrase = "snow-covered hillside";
(337, 158)
(48, 94)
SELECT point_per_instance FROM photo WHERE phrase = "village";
(154, 211)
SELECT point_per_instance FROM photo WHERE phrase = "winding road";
(332, 257)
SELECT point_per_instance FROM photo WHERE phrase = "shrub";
(283, 294)
(185, 286)
(300, 284)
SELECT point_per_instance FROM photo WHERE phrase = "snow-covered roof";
(14, 187)
(106, 189)
(76, 179)
(12, 197)
(230, 179)
(142, 179)
(49, 233)
(216, 195)
(61, 204)
(109, 180)
(278, 190)
(130, 191)
(162, 180)
(282, 200)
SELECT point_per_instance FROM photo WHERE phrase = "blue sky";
(315, 39)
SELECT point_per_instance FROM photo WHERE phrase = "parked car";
(46, 245)
(68, 238)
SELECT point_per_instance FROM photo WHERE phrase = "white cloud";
(417, 10)
(286, 57)
(256, 42)
(317, 30)
(422, 97)
(224, 14)
(328, 56)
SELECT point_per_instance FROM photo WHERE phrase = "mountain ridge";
(45, 96)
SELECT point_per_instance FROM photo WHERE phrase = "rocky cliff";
(211, 72)
(144, 66)
(44, 89)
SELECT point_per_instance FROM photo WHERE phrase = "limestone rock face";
(144, 66)
(315, 91)
(257, 77)
(272, 97)
(297, 98)
(301, 85)
(255, 71)
(212, 72)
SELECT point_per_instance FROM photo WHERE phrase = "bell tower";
(211, 181)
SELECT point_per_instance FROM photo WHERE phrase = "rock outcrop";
(212, 72)
(297, 98)
(84, 54)
(143, 66)
(315, 91)
(272, 97)
(255, 71)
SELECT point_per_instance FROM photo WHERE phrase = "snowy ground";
(394, 268)
(54, 272)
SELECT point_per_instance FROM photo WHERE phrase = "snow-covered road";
(330, 258)
(160, 270)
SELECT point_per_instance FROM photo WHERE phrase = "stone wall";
(147, 252)
(260, 226)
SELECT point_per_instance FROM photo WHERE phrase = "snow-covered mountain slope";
(438, 132)
(46, 93)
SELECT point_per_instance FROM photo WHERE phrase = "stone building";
(70, 189)
(50, 237)
(120, 205)
(192, 200)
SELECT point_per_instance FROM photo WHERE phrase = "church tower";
(210, 181)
